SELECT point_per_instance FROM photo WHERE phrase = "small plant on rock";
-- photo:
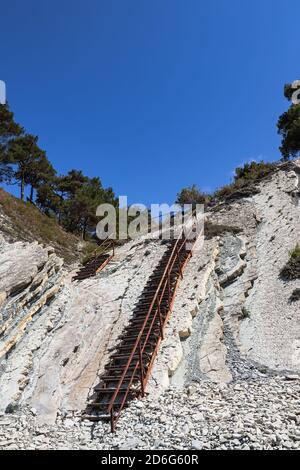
(295, 253)
(295, 295)
(244, 313)
(292, 268)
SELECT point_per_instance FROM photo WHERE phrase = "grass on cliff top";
(23, 221)
(245, 180)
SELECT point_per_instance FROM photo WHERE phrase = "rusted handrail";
(111, 244)
(137, 345)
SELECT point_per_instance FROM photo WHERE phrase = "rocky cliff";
(234, 332)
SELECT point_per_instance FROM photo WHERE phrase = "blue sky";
(151, 95)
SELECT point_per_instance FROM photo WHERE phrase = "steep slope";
(233, 317)
(233, 325)
(23, 221)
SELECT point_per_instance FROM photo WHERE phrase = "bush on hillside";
(295, 295)
(213, 230)
(192, 195)
(292, 268)
(245, 179)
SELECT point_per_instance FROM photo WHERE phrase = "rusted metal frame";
(139, 336)
(102, 245)
(160, 320)
(124, 398)
(167, 269)
(166, 281)
(158, 311)
(169, 288)
(111, 244)
(141, 369)
(104, 264)
(150, 330)
(145, 378)
(150, 327)
(162, 323)
(179, 265)
(105, 248)
(133, 375)
(112, 422)
(174, 291)
(154, 353)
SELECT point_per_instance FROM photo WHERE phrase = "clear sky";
(150, 95)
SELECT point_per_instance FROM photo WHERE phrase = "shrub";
(295, 295)
(192, 195)
(292, 268)
(245, 177)
(213, 230)
(295, 253)
(253, 171)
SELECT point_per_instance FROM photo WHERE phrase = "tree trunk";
(31, 194)
(84, 230)
(22, 188)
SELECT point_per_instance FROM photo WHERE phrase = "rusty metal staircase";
(97, 263)
(127, 373)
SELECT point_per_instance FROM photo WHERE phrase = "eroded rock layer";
(233, 319)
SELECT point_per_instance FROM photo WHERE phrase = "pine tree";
(192, 195)
(9, 130)
(289, 127)
(24, 155)
(40, 173)
(80, 208)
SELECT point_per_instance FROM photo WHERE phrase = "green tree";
(192, 195)
(66, 187)
(9, 130)
(80, 208)
(69, 184)
(289, 127)
(48, 200)
(25, 155)
(41, 172)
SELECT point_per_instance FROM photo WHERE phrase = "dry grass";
(23, 221)
(213, 230)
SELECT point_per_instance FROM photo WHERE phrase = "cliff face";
(30, 276)
(233, 317)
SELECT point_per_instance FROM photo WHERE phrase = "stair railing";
(139, 345)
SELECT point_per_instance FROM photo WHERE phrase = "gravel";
(255, 414)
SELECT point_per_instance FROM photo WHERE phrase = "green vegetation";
(289, 127)
(244, 184)
(213, 230)
(245, 179)
(71, 199)
(192, 195)
(295, 295)
(244, 314)
(292, 268)
(295, 252)
(23, 221)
